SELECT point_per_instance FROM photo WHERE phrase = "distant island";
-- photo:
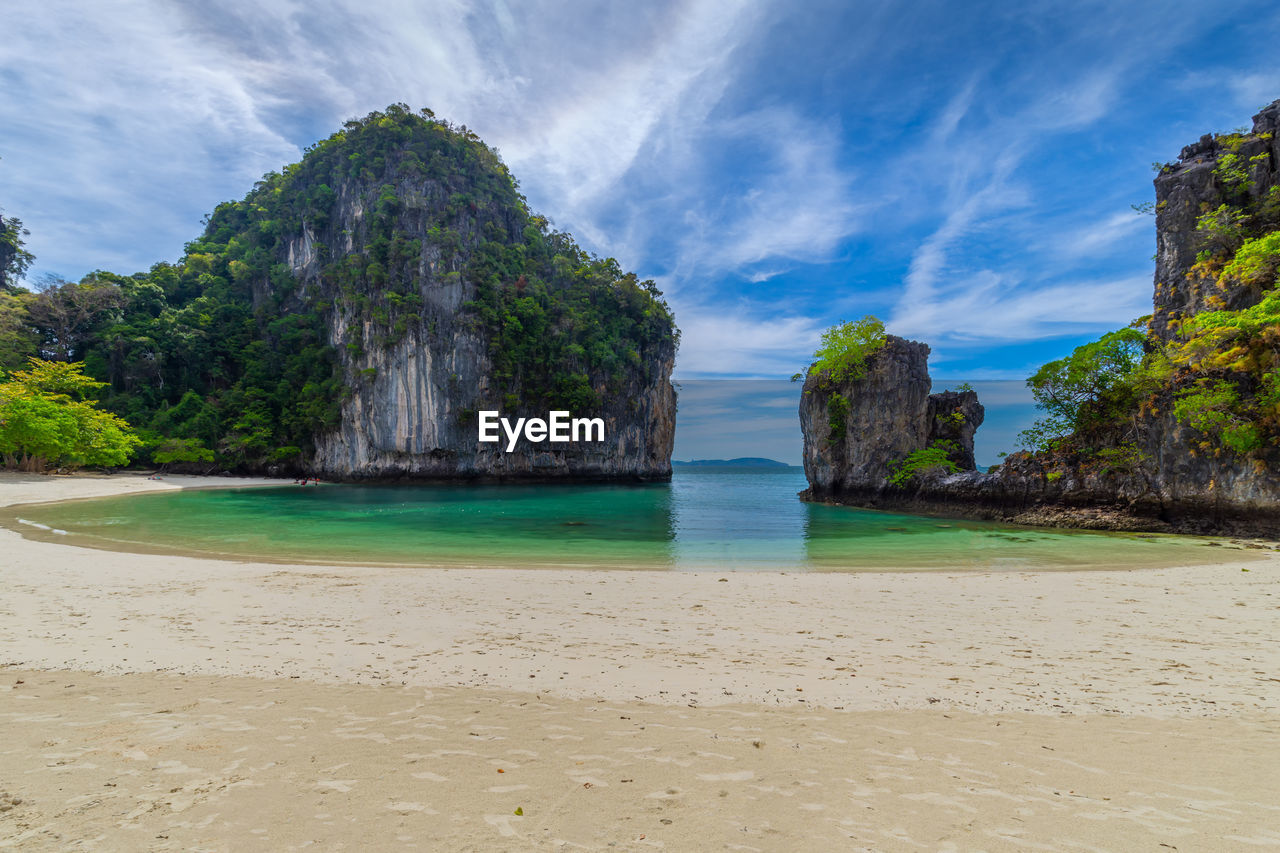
(740, 462)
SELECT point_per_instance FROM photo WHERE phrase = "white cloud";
(1255, 91)
(990, 307)
(594, 135)
(735, 342)
(120, 113)
(1096, 238)
(148, 113)
(800, 206)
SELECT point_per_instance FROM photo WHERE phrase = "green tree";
(1215, 409)
(845, 348)
(18, 341)
(14, 258)
(1088, 389)
(48, 418)
(67, 314)
(925, 462)
(180, 450)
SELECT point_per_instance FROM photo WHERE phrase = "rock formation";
(1165, 477)
(1192, 187)
(444, 296)
(413, 403)
(856, 431)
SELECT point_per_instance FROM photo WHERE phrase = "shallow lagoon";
(709, 519)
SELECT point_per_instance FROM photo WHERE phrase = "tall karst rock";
(441, 295)
(857, 430)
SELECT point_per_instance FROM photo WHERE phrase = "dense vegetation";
(48, 419)
(225, 357)
(1218, 370)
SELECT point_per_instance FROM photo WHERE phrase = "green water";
(704, 520)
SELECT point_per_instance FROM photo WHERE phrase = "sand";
(182, 703)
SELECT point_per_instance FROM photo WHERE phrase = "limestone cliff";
(1150, 471)
(443, 296)
(1196, 185)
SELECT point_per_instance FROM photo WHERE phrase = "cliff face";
(443, 296)
(856, 431)
(1193, 187)
(1162, 473)
(416, 417)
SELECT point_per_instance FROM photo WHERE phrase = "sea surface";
(706, 519)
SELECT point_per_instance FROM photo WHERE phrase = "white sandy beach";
(173, 702)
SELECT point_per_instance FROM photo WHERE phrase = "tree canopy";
(845, 347)
(48, 418)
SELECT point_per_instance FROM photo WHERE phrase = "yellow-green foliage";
(1215, 409)
(1256, 260)
(1235, 402)
(174, 450)
(48, 418)
(845, 348)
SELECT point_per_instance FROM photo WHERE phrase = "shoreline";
(983, 641)
(896, 709)
(79, 488)
(1116, 516)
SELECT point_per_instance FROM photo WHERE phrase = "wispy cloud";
(955, 295)
(990, 307)
(778, 166)
(716, 341)
(592, 136)
(150, 113)
(799, 206)
(1098, 237)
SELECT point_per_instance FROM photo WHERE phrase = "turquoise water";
(704, 520)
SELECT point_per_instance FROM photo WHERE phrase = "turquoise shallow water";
(704, 520)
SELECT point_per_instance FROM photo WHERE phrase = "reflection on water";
(705, 519)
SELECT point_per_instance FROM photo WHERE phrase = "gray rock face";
(954, 416)
(887, 414)
(412, 409)
(1175, 485)
(1190, 188)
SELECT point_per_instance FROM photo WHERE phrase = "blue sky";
(962, 170)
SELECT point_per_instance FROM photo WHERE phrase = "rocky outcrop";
(1197, 185)
(954, 417)
(856, 431)
(1162, 475)
(415, 417)
(386, 249)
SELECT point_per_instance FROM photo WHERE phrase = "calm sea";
(708, 519)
